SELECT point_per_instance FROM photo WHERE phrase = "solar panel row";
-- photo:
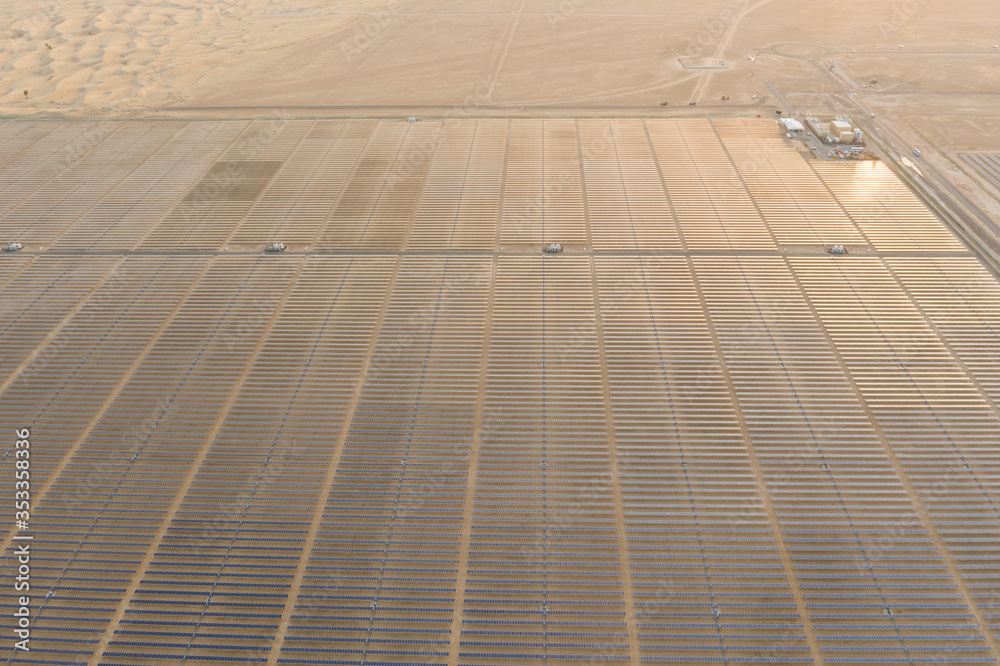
(694, 436)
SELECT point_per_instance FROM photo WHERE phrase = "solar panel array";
(987, 165)
(695, 436)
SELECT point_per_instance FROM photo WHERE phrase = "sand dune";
(90, 57)
(125, 56)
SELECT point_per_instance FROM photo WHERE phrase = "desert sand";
(83, 56)
(88, 56)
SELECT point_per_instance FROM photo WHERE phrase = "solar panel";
(692, 436)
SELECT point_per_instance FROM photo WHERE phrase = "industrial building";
(842, 131)
(793, 127)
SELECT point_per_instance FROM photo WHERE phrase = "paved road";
(971, 218)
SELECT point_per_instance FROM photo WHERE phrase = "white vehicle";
(13, 247)
(916, 152)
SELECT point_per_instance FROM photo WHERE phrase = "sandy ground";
(88, 56)
(84, 56)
